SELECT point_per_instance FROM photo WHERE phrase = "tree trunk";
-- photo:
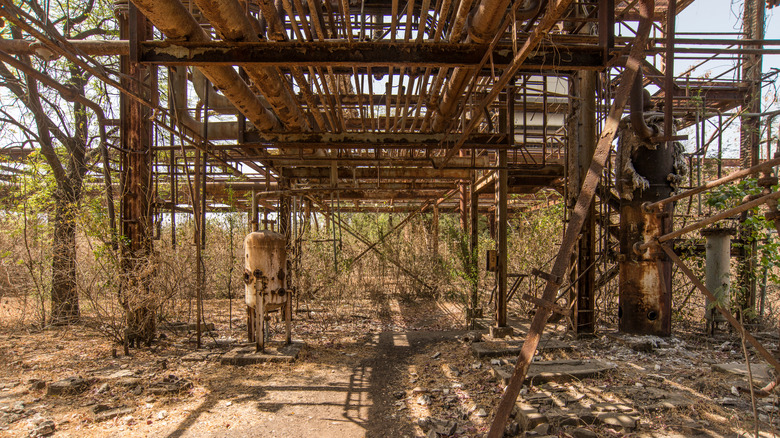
(64, 293)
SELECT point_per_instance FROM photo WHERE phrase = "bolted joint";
(258, 274)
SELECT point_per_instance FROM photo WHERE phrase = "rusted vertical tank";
(265, 277)
(647, 171)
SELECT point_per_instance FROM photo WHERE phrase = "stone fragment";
(103, 412)
(444, 427)
(760, 371)
(529, 417)
(619, 420)
(542, 429)
(611, 407)
(581, 432)
(121, 373)
(481, 412)
(472, 336)
(37, 384)
(563, 418)
(451, 370)
(44, 428)
(71, 385)
(424, 400)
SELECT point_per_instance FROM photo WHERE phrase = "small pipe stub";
(647, 207)
(638, 250)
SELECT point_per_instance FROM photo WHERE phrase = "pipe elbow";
(638, 123)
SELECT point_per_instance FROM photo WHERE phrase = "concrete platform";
(275, 352)
(554, 370)
(512, 348)
(760, 371)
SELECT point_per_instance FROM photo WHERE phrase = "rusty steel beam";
(579, 214)
(361, 54)
(372, 173)
(88, 47)
(245, 186)
(286, 161)
(367, 139)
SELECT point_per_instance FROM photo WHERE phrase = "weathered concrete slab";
(201, 356)
(512, 348)
(528, 416)
(554, 370)
(654, 399)
(760, 371)
(248, 355)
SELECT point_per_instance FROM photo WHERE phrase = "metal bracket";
(546, 277)
(547, 304)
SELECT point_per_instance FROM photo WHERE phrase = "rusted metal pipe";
(178, 86)
(638, 103)
(485, 22)
(176, 22)
(648, 207)
(710, 220)
(217, 102)
(717, 268)
(89, 47)
(230, 20)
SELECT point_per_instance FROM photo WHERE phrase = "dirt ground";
(389, 370)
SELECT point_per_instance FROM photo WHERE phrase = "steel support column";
(474, 310)
(136, 140)
(585, 137)
(501, 329)
(750, 139)
(435, 232)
